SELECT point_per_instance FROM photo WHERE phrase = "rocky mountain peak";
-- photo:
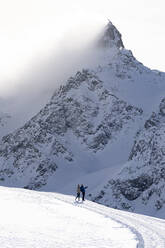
(111, 37)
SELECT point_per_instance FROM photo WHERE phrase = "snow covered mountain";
(98, 128)
(83, 110)
(140, 185)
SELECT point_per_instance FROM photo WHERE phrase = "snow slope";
(48, 220)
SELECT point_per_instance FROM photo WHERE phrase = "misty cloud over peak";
(81, 47)
(27, 94)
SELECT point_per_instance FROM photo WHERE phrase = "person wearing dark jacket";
(82, 189)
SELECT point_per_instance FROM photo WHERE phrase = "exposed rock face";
(142, 181)
(111, 37)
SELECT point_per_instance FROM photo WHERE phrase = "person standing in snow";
(78, 192)
(82, 189)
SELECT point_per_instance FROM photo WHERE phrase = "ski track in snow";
(149, 231)
(32, 219)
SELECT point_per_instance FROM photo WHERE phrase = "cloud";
(68, 48)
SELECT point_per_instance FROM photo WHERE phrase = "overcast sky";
(29, 29)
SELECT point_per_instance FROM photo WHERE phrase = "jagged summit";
(111, 37)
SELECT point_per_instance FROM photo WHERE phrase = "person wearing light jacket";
(78, 192)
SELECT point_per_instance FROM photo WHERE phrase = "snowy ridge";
(55, 220)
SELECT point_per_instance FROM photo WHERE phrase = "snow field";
(34, 219)
(148, 231)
